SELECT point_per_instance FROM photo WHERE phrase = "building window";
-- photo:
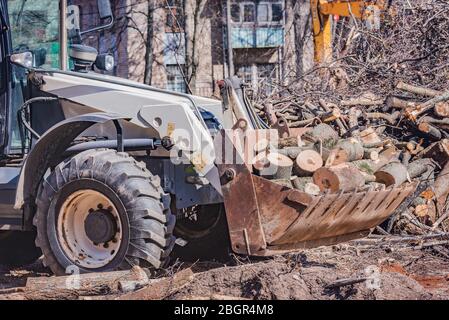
(263, 13)
(249, 12)
(235, 12)
(277, 13)
(175, 16)
(175, 79)
(267, 12)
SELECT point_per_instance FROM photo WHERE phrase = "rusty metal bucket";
(265, 218)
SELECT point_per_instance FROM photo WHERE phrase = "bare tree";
(194, 22)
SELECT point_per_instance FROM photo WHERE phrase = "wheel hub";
(100, 226)
(89, 229)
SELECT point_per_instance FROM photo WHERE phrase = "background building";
(184, 45)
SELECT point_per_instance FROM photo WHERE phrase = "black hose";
(22, 116)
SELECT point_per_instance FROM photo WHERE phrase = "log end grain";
(307, 162)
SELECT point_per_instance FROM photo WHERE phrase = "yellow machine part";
(323, 10)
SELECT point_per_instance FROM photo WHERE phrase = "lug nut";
(229, 174)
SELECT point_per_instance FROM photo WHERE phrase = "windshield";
(35, 27)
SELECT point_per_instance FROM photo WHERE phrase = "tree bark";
(149, 48)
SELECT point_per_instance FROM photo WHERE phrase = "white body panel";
(156, 113)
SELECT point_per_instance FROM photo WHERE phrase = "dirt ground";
(380, 273)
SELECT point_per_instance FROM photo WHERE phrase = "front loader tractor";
(101, 173)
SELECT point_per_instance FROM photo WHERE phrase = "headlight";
(24, 59)
(105, 62)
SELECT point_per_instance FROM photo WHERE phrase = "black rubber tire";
(17, 248)
(138, 195)
(211, 245)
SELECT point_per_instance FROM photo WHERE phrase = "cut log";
(280, 167)
(430, 130)
(326, 134)
(312, 189)
(270, 114)
(305, 184)
(394, 173)
(438, 151)
(339, 121)
(354, 115)
(335, 157)
(419, 167)
(300, 182)
(369, 136)
(292, 152)
(443, 122)
(371, 154)
(341, 177)
(289, 142)
(362, 102)
(353, 149)
(417, 90)
(369, 166)
(413, 112)
(395, 102)
(442, 109)
(390, 118)
(330, 116)
(307, 162)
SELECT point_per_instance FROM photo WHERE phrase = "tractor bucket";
(266, 218)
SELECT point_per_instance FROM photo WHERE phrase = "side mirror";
(23, 59)
(104, 9)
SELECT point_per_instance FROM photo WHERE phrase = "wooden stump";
(307, 162)
(341, 177)
(394, 173)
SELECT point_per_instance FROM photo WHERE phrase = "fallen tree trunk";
(160, 288)
(74, 286)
